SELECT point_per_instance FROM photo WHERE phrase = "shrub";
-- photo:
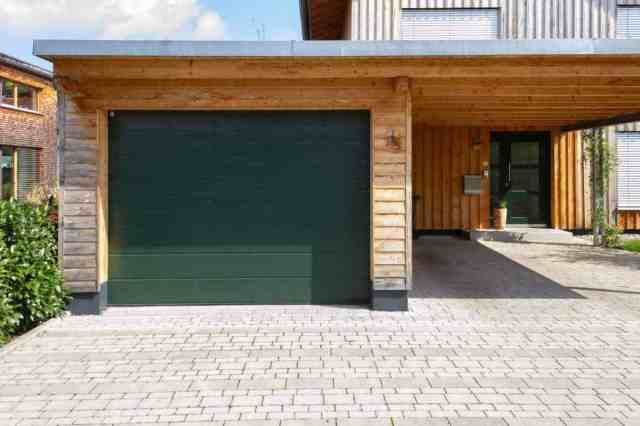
(31, 285)
(9, 317)
(611, 236)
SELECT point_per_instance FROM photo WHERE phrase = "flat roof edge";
(50, 49)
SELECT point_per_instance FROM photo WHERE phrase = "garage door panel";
(214, 265)
(275, 291)
(211, 195)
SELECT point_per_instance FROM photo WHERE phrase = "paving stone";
(496, 334)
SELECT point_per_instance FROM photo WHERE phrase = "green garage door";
(239, 207)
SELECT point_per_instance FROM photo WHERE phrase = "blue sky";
(25, 20)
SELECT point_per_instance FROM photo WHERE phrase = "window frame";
(16, 101)
(624, 204)
(14, 177)
(498, 11)
(627, 7)
(19, 170)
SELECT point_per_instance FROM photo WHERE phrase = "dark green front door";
(520, 175)
(239, 207)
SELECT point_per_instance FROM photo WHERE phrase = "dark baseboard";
(89, 303)
(390, 300)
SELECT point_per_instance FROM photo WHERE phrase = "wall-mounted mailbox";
(472, 184)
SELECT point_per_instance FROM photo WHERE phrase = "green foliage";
(9, 316)
(31, 285)
(503, 204)
(611, 236)
(601, 155)
(631, 245)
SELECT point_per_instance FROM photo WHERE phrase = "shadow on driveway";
(449, 267)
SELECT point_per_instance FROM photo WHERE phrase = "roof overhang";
(508, 83)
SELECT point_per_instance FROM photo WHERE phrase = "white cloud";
(112, 19)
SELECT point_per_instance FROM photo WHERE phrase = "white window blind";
(628, 22)
(628, 163)
(449, 24)
(28, 171)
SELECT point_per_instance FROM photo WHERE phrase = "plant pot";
(500, 218)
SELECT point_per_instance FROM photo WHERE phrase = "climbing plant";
(598, 151)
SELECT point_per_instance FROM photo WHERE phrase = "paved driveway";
(499, 344)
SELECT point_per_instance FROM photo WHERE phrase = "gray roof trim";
(25, 66)
(49, 49)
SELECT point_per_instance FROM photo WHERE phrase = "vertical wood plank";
(485, 198)
(579, 183)
(555, 176)
(418, 175)
(571, 189)
(102, 196)
(428, 176)
(445, 163)
(466, 170)
(437, 179)
(475, 201)
(408, 249)
(456, 179)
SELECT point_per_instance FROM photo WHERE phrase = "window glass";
(449, 24)
(628, 167)
(26, 97)
(6, 173)
(628, 22)
(7, 92)
(28, 171)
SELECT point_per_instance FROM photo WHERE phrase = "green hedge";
(31, 284)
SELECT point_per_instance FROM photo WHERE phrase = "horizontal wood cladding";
(441, 157)
(629, 220)
(570, 183)
(78, 187)
(519, 19)
(85, 194)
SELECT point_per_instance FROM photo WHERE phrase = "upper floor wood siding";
(519, 19)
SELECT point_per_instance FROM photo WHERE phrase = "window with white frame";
(449, 24)
(18, 95)
(19, 172)
(628, 164)
(628, 22)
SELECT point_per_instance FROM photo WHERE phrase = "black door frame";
(503, 138)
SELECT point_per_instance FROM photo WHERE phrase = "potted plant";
(500, 215)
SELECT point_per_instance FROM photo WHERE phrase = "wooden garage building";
(284, 172)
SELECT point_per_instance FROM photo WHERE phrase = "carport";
(161, 140)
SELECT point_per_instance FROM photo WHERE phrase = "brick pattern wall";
(34, 130)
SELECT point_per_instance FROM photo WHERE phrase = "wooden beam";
(300, 68)
(102, 196)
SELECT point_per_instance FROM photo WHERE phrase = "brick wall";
(32, 129)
